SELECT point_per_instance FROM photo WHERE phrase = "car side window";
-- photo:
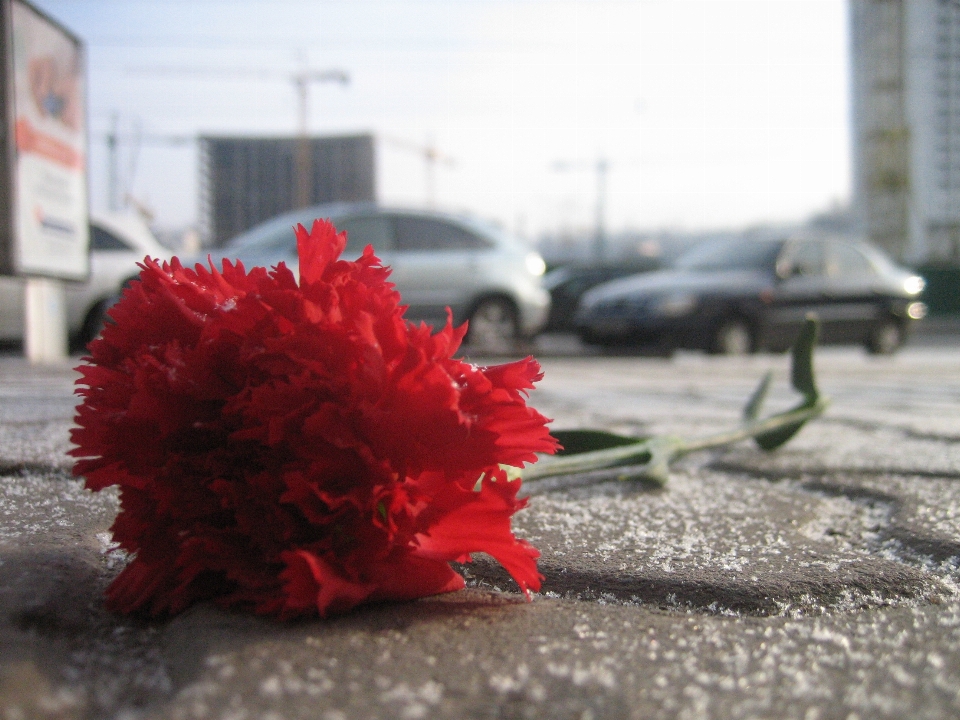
(421, 233)
(366, 230)
(803, 258)
(848, 261)
(279, 242)
(101, 239)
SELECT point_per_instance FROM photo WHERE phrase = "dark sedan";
(735, 296)
(568, 283)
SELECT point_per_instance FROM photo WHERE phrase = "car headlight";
(914, 285)
(535, 264)
(676, 304)
(916, 310)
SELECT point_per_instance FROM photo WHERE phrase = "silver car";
(439, 260)
(117, 243)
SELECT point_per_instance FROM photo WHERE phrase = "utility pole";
(431, 156)
(601, 167)
(119, 190)
(113, 169)
(600, 232)
(304, 158)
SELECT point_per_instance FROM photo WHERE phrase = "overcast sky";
(710, 113)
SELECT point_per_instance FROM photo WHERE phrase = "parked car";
(568, 283)
(117, 243)
(734, 296)
(439, 260)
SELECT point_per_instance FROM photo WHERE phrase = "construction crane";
(302, 80)
(431, 156)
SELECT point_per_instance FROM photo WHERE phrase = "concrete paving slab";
(819, 581)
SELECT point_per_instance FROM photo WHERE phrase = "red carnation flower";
(298, 449)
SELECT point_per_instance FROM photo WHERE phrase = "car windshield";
(265, 236)
(730, 254)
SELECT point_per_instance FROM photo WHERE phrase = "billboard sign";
(44, 228)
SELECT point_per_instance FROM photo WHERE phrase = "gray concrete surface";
(817, 582)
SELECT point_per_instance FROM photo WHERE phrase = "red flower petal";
(311, 584)
(466, 522)
(317, 249)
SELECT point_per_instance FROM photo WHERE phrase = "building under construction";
(246, 180)
(905, 57)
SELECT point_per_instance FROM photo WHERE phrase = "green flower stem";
(650, 458)
(782, 421)
(645, 456)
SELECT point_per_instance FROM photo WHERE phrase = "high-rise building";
(246, 180)
(905, 58)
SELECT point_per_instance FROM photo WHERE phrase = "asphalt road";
(930, 332)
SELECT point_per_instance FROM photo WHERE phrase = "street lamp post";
(600, 231)
(601, 167)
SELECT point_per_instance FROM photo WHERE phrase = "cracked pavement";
(819, 581)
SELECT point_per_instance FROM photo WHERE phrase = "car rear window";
(848, 261)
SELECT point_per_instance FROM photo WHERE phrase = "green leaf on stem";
(802, 366)
(755, 403)
(578, 441)
(803, 382)
(649, 458)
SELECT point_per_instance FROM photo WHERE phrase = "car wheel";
(886, 337)
(95, 320)
(732, 337)
(493, 326)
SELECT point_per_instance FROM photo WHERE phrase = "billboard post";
(45, 320)
(44, 224)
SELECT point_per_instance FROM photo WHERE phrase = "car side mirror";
(785, 270)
